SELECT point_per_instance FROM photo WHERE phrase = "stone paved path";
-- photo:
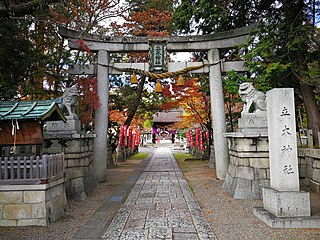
(160, 206)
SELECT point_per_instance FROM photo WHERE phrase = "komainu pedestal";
(59, 128)
(78, 151)
(253, 123)
(248, 170)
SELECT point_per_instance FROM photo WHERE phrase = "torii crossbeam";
(205, 43)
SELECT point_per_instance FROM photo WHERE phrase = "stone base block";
(55, 128)
(286, 222)
(286, 203)
(240, 188)
(248, 169)
(253, 123)
(80, 183)
(32, 205)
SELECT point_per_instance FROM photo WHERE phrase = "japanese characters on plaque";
(282, 140)
(158, 56)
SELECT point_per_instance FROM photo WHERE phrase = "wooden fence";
(305, 139)
(31, 170)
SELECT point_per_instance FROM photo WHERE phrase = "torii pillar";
(219, 126)
(210, 43)
(101, 118)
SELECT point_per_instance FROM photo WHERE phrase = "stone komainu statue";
(69, 100)
(250, 96)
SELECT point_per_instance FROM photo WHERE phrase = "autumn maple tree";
(194, 102)
(33, 54)
(146, 19)
(87, 17)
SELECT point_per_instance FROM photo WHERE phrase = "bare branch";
(20, 9)
(315, 41)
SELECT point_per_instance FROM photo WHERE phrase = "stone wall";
(78, 153)
(309, 168)
(32, 205)
(249, 170)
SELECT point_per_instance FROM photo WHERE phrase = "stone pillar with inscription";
(284, 175)
(284, 205)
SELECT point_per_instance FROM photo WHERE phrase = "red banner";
(191, 138)
(130, 138)
(138, 137)
(197, 137)
(125, 134)
(201, 140)
(133, 141)
(187, 138)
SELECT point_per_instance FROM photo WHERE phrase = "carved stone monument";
(66, 103)
(254, 121)
(248, 148)
(69, 100)
(284, 205)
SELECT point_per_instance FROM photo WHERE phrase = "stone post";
(101, 118)
(218, 116)
(283, 199)
(284, 173)
(284, 205)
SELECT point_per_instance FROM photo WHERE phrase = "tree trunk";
(135, 104)
(295, 19)
(313, 114)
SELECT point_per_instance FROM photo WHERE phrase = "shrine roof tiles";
(47, 110)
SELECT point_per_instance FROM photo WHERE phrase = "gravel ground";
(233, 219)
(78, 212)
(230, 219)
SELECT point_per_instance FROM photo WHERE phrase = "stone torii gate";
(203, 43)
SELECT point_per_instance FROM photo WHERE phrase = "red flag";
(197, 137)
(130, 137)
(201, 140)
(187, 138)
(125, 133)
(207, 134)
(138, 137)
(191, 138)
(133, 141)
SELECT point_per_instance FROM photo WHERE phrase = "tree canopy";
(283, 50)
(194, 102)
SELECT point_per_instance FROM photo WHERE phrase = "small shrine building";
(162, 124)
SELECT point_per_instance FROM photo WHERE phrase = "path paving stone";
(160, 206)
